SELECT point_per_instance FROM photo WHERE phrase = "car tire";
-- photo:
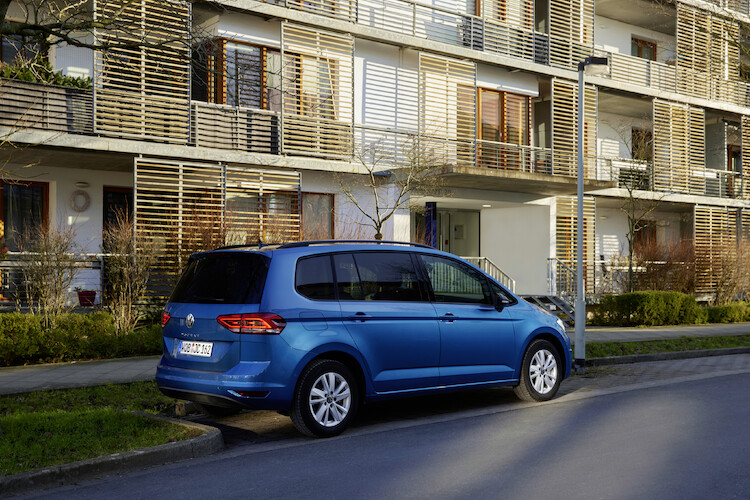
(541, 372)
(219, 411)
(325, 400)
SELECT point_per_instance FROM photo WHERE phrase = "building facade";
(254, 128)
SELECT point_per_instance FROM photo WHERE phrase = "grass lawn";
(46, 428)
(605, 349)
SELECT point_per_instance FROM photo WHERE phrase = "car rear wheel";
(540, 372)
(326, 399)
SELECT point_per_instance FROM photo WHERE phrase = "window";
(317, 216)
(455, 282)
(14, 48)
(347, 277)
(237, 74)
(503, 118)
(24, 209)
(314, 278)
(118, 202)
(311, 85)
(222, 278)
(642, 142)
(388, 276)
(643, 49)
(645, 236)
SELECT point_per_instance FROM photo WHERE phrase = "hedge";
(24, 340)
(651, 308)
(730, 313)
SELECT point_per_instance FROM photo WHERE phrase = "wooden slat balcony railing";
(666, 77)
(234, 128)
(26, 105)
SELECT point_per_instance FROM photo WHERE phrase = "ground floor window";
(24, 208)
(118, 203)
(317, 216)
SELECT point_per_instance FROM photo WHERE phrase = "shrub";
(729, 313)
(652, 308)
(23, 339)
(40, 70)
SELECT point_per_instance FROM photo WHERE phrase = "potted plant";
(86, 297)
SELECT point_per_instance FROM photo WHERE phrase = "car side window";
(388, 276)
(347, 278)
(314, 278)
(455, 282)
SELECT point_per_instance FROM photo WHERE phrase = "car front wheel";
(540, 372)
(325, 400)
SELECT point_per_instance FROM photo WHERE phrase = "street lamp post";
(591, 66)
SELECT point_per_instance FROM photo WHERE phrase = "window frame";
(640, 44)
(218, 76)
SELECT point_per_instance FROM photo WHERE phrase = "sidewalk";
(16, 379)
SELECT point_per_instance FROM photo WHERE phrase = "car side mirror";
(500, 302)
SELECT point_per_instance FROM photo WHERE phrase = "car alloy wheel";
(330, 399)
(325, 400)
(543, 371)
(540, 374)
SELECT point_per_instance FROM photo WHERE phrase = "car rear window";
(222, 278)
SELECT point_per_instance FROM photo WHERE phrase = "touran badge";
(190, 320)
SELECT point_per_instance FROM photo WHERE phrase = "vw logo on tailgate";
(190, 320)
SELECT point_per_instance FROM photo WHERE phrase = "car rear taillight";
(165, 316)
(258, 323)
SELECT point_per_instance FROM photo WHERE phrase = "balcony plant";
(39, 70)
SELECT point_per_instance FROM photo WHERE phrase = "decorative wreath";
(80, 200)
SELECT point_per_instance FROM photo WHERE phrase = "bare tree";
(47, 263)
(73, 22)
(392, 176)
(127, 271)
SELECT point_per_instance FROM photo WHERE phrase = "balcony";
(466, 163)
(640, 175)
(668, 78)
(234, 128)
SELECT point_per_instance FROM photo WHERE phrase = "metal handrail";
(494, 271)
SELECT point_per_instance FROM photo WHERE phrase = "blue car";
(314, 329)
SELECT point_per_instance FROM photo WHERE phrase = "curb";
(666, 356)
(207, 443)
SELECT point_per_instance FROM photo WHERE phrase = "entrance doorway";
(458, 232)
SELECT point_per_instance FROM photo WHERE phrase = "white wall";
(497, 78)
(249, 29)
(517, 239)
(87, 225)
(73, 61)
(349, 222)
(615, 36)
(614, 134)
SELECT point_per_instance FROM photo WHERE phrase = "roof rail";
(258, 245)
(298, 244)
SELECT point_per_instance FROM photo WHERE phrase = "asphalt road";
(687, 439)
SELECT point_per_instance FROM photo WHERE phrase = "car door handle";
(447, 317)
(360, 316)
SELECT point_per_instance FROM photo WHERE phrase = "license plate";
(196, 348)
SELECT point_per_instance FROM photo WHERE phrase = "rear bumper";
(222, 388)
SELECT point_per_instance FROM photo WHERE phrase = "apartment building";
(250, 131)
